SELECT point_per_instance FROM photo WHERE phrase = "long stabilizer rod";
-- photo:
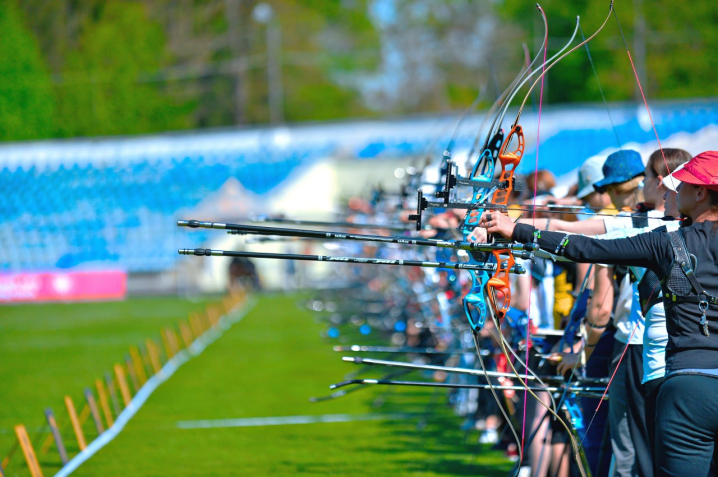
(205, 252)
(403, 350)
(434, 385)
(431, 367)
(318, 223)
(558, 380)
(326, 235)
(578, 390)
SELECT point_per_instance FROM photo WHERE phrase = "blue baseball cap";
(621, 166)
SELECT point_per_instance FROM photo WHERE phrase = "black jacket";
(687, 346)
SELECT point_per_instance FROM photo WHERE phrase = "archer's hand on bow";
(564, 362)
(496, 223)
(478, 235)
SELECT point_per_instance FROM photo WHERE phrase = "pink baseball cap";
(702, 171)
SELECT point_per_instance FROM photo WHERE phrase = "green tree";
(26, 96)
(334, 36)
(679, 42)
(108, 82)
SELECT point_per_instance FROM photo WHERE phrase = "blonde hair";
(627, 187)
(629, 190)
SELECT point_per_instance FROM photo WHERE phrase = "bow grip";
(477, 302)
(509, 161)
(500, 282)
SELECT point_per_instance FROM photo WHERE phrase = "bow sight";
(452, 181)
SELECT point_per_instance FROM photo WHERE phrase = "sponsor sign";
(62, 286)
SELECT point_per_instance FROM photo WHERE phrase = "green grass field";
(267, 365)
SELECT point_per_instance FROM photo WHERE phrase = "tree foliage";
(26, 98)
(678, 38)
(105, 67)
(107, 85)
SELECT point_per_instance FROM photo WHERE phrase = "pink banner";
(63, 286)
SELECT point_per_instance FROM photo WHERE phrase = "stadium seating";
(120, 215)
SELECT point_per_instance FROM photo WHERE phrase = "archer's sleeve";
(648, 250)
(617, 222)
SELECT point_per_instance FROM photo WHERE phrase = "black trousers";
(650, 398)
(627, 415)
(686, 425)
(596, 443)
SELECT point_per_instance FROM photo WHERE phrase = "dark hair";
(674, 158)
(713, 197)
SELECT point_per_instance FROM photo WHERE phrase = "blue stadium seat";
(120, 214)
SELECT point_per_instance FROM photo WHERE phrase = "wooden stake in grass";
(147, 362)
(206, 322)
(76, 426)
(46, 444)
(55, 432)
(111, 392)
(212, 315)
(84, 414)
(154, 355)
(169, 350)
(174, 340)
(139, 365)
(196, 325)
(238, 295)
(131, 372)
(122, 383)
(104, 403)
(186, 334)
(28, 451)
(94, 411)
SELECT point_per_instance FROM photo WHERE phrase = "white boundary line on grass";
(286, 420)
(197, 347)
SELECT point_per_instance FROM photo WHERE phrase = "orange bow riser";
(509, 162)
(499, 286)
